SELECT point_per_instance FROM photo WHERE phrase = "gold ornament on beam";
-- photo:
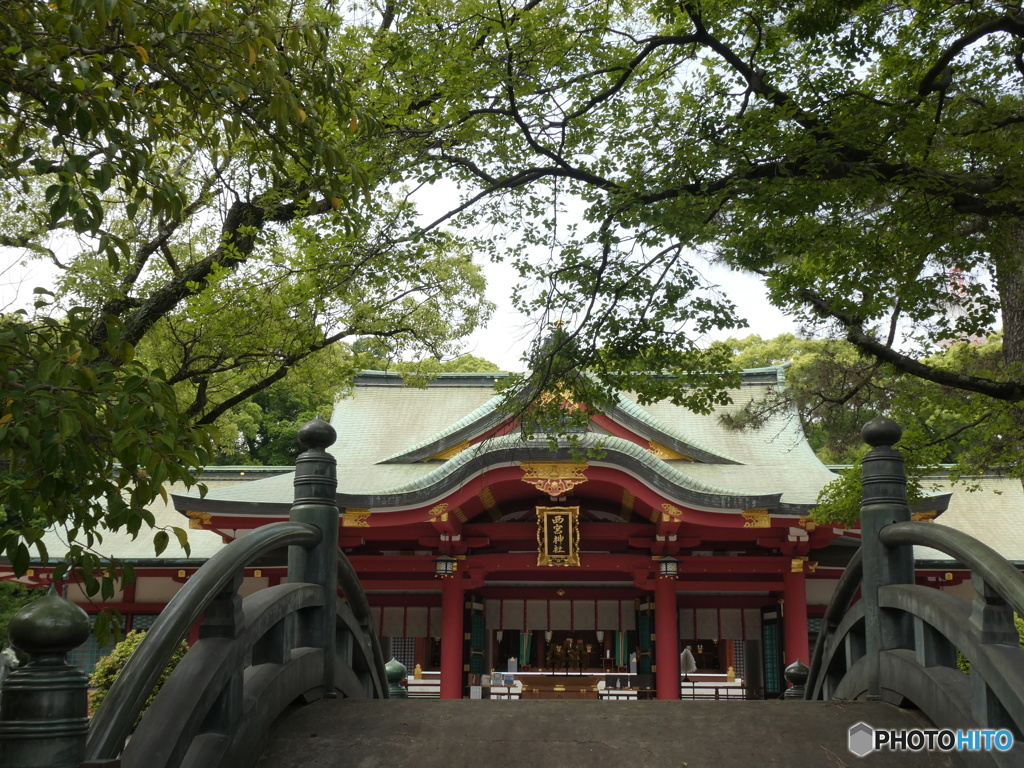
(666, 454)
(672, 513)
(925, 517)
(628, 500)
(554, 479)
(198, 521)
(756, 518)
(808, 523)
(449, 453)
(489, 504)
(355, 518)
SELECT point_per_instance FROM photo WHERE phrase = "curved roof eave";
(512, 449)
(634, 417)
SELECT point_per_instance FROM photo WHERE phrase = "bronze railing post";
(884, 484)
(44, 708)
(315, 485)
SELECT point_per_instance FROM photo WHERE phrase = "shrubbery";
(110, 666)
(965, 666)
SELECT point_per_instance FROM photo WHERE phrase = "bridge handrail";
(844, 593)
(352, 590)
(113, 721)
(980, 558)
(254, 655)
(900, 643)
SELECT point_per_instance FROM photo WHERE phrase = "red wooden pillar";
(794, 614)
(666, 643)
(452, 607)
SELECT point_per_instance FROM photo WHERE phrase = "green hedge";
(109, 667)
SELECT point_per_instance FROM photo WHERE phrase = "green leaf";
(183, 541)
(160, 541)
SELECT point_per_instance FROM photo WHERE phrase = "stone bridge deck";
(571, 734)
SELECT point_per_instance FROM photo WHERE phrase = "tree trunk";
(1009, 276)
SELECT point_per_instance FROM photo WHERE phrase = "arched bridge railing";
(899, 641)
(254, 656)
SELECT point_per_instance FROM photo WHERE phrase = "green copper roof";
(386, 431)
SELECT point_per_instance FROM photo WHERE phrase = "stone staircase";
(571, 734)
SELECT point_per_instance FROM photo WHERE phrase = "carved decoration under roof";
(808, 523)
(564, 398)
(666, 454)
(672, 513)
(355, 518)
(925, 517)
(756, 518)
(554, 479)
(439, 512)
(198, 520)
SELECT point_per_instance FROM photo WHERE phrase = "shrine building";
(476, 546)
(484, 552)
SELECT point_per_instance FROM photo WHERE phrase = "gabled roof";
(390, 437)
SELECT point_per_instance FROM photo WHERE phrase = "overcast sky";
(508, 334)
(503, 341)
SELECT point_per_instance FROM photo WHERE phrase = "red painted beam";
(772, 584)
(590, 564)
(614, 428)
(411, 586)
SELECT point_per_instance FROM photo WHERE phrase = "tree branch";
(282, 370)
(959, 430)
(1006, 24)
(235, 249)
(755, 78)
(1009, 391)
(652, 45)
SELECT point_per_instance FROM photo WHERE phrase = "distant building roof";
(990, 508)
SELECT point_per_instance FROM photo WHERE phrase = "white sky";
(18, 276)
(508, 334)
(506, 337)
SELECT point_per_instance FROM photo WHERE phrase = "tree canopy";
(222, 203)
(860, 156)
(226, 192)
(834, 389)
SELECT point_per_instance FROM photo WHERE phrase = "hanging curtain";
(525, 641)
(621, 649)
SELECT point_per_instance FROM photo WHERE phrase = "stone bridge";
(293, 675)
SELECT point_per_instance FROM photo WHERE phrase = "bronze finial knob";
(881, 431)
(317, 434)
